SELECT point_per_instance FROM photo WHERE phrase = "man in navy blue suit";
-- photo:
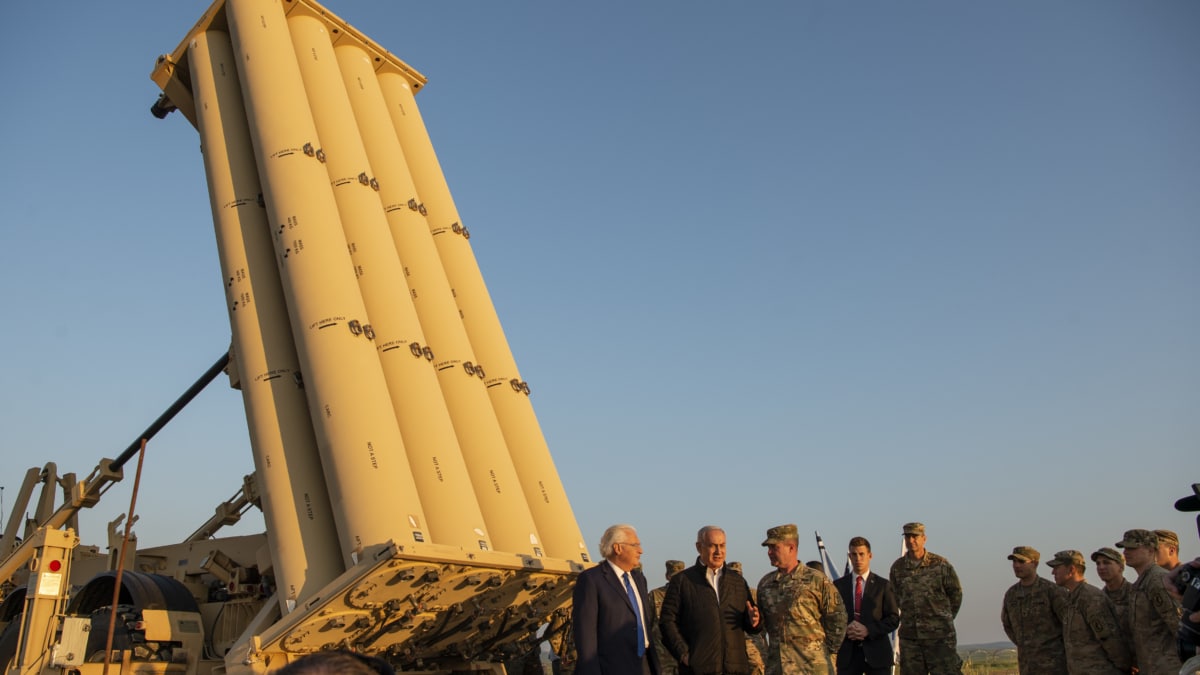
(612, 613)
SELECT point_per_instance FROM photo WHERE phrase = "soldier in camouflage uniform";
(804, 615)
(667, 665)
(1090, 635)
(562, 641)
(1032, 617)
(1168, 549)
(1110, 567)
(929, 595)
(1153, 613)
(756, 643)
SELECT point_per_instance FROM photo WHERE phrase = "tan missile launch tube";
(496, 482)
(370, 483)
(438, 467)
(300, 528)
(508, 393)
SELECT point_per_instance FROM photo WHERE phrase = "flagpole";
(826, 561)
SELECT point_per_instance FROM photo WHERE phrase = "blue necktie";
(641, 631)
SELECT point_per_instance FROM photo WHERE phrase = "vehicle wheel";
(8, 643)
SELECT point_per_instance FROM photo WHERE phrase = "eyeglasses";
(631, 544)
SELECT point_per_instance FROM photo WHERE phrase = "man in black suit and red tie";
(872, 614)
(612, 613)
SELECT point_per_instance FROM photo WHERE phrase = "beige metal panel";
(497, 485)
(433, 453)
(526, 444)
(370, 483)
(169, 67)
(17, 514)
(48, 496)
(295, 502)
(45, 598)
(425, 607)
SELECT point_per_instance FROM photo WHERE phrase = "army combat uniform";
(667, 665)
(1153, 621)
(756, 643)
(929, 595)
(1032, 619)
(1093, 645)
(756, 647)
(756, 650)
(1118, 600)
(562, 640)
(805, 621)
(1153, 613)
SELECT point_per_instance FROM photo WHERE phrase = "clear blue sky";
(845, 265)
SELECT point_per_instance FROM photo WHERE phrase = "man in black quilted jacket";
(707, 612)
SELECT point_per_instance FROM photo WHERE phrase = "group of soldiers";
(1069, 626)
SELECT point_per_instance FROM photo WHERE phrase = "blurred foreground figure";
(1182, 584)
(336, 663)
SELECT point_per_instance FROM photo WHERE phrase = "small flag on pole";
(894, 636)
(826, 561)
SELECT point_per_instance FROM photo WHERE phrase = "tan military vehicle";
(412, 509)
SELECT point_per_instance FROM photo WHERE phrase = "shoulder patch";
(1160, 600)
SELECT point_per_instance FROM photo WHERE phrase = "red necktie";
(857, 597)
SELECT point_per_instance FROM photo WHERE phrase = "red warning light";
(55, 565)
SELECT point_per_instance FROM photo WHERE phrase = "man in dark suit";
(872, 614)
(707, 612)
(612, 613)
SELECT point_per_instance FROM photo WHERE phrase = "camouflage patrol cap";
(1068, 557)
(1110, 553)
(1025, 554)
(914, 528)
(781, 533)
(1167, 537)
(1138, 538)
(735, 566)
(675, 567)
